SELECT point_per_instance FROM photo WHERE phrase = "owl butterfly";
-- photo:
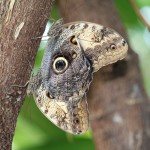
(73, 53)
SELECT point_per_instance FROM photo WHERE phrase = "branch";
(119, 107)
(20, 21)
(137, 11)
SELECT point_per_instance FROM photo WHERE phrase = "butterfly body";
(74, 52)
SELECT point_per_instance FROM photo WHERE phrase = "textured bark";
(118, 103)
(20, 22)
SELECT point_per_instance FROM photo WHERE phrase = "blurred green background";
(35, 132)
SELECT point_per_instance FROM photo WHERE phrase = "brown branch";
(136, 9)
(118, 104)
(20, 21)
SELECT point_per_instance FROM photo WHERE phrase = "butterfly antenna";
(52, 19)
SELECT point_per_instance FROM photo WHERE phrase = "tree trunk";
(118, 104)
(20, 22)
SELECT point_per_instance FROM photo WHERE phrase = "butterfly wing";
(74, 51)
(71, 117)
(101, 45)
(60, 94)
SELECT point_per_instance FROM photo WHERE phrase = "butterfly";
(73, 53)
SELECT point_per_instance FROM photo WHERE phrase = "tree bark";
(20, 22)
(119, 107)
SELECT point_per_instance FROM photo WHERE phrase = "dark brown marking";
(123, 42)
(93, 28)
(39, 101)
(85, 26)
(105, 32)
(72, 27)
(46, 111)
